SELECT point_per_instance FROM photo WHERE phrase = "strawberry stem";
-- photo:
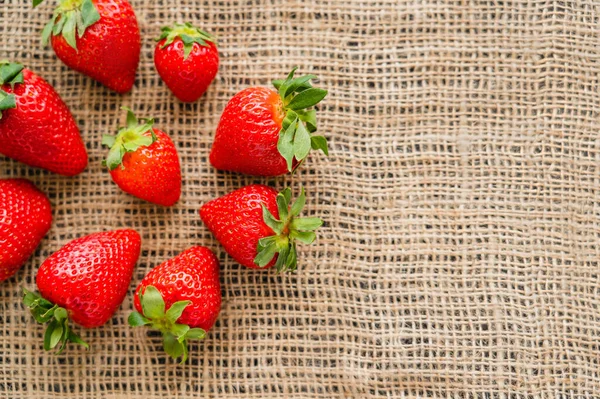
(289, 229)
(295, 137)
(11, 74)
(128, 139)
(188, 35)
(175, 336)
(58, 331)
(70, 19)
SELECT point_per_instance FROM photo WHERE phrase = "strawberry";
(187, 60)
(181, 298)
(265, 132)
(36, 127)
(143, 162)
(255, 223)
(86, 280)
(25, 218)
(99, 38)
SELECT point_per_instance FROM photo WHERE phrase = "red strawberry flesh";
(90, 276)
(25, 218)
(41, 131)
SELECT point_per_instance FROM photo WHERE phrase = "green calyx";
(58, 333)
(128, 139)
(296, 137)
(289, 229)
(175, 336)
(188, 35)
(11, 73)
(70, 19)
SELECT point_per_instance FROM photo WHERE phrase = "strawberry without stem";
(143, 162)
(260, 228)
(36, 127)
(265, 132)
(25, 218)
(86, 280)
(187, 60)
(99, 38)
(181, 298)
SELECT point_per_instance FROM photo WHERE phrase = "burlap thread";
(461, 198)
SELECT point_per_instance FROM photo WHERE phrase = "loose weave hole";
(462, 199)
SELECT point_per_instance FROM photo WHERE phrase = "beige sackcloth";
(459, 256)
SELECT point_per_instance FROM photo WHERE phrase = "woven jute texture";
(462, 199)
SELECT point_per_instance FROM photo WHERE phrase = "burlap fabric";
(461, 198)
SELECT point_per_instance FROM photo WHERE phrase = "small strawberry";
(99, 38)
(143, 161)
(181, 298)
(86, 280)
(36, 127)
(187, 60)
(244, 222)
(265, 132)
(25, 218)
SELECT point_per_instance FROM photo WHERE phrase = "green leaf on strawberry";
(11, 73)
(58, 333)
(319, 143)
(128, 139)
(289, 229)
(7, 101)
(70, 19)
(188, 35)
(175, 336)
(295, 140)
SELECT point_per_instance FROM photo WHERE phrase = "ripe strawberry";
(187, 60)
(25, 218)
(255, 223)
(181, 298)
(99, 38)
(36, 127)
(85, 280)
(266, 132)
(143, 162)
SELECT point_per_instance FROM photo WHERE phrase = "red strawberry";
(99, 38)
(143, 162)
(36, 127)
(86, 280)
(187, 60)
(255, 223)
(181, 298)
(25, 218)
(266, 132)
